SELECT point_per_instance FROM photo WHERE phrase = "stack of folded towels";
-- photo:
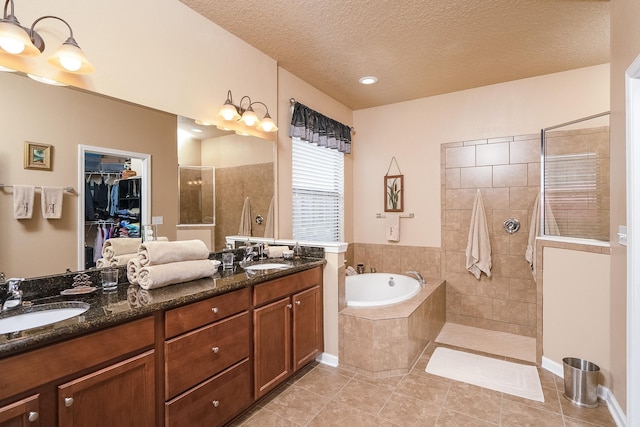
(118, 251)
(162, 263)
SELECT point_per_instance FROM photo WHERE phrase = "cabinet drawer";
(192, 316)
(214, 402)
(193, 357)
(288, 285)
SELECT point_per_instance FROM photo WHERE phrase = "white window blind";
(318, 192)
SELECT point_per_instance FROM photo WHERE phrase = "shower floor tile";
(484, 340)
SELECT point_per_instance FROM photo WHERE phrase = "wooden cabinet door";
(122, 394)
(307, 326)
(272, 344)
(22, 413)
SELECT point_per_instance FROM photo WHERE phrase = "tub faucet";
(417, 276)
(14, 295)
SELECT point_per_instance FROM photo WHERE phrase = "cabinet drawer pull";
(68, 401)
(215, 349)
(33, 416)
(298, 302)
(216, 403)
(214, 310)
(289, 305)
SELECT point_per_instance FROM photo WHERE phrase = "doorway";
(143, 189)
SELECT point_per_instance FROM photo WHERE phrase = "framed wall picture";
(394, 193)
(37, 156)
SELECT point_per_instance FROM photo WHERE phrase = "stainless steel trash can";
(581, 382)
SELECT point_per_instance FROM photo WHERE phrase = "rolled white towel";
(156, 276)
(133, 265)
(101, 263)
(119, 260)
(276, 251)
(158, 252)
(120, 246)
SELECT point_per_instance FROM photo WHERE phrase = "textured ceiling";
(416, 48)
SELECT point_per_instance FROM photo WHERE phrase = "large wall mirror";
(243, 172)
(66, 119)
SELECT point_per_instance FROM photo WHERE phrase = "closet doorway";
(90, 163)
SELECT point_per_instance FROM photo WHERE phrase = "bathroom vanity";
(198, 353)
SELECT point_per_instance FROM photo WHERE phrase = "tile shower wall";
(232, 186)
(507, 172)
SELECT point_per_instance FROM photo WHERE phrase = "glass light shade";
(45, 80)
(228, 112)
(69, 57)
(267, 125)
(15, 40)
(250, 118)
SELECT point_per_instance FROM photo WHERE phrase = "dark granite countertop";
(129, 302)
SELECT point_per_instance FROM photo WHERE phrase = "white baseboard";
(603, 392)
(328, 359)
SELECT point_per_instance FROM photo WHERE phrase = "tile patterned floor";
(320, 395)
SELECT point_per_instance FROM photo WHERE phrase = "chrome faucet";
(249, 254)
(14, 295)
(417, 276)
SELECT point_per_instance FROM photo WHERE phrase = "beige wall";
(413, 131)
(66, 118)
(625, 47)
(576, 306)
(290, 86)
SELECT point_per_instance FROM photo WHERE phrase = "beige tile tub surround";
(385, 341)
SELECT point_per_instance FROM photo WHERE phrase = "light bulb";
(11, 46)
(70, 63)
(249, 118)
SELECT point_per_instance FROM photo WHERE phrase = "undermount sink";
(41, 315)
(267, 266)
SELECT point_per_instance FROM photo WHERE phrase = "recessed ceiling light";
(369, 80)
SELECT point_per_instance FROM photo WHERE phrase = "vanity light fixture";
(246, 115)
(22, 41)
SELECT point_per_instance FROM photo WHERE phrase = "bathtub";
(376, 289)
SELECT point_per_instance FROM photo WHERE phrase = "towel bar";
(379, 215)
(67, 189)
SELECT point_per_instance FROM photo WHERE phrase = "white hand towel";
(23, 201)
(51, 200)
(269, 225)
(478, 249)
(120, 246)
(245, 219)
(159, 252)
(156, 276)
(393, 227)
(101, 263)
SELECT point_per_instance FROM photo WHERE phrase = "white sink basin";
(41, 315)
(267, 266)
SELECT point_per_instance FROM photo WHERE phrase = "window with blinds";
(318, 193)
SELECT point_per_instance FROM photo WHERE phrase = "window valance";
(311, 126)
